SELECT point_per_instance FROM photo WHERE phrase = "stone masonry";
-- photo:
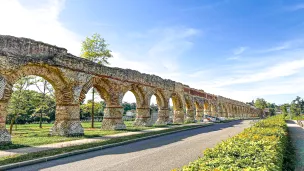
(72, 77)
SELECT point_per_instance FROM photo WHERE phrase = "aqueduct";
(72, 77)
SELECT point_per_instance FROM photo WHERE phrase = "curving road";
(156, 154)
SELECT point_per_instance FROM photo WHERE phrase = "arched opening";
(206, 109)
(190, 111)
(129, 108)
(31, 110)
(171, 111)
(178, 109)
(92, 107)
(154, 108)
(199, 112)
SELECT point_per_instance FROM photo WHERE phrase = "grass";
(31, 156)
(31, 135)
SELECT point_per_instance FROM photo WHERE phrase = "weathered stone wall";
(72, 77)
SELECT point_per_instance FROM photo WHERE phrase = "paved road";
(159, 154)
(297, 137)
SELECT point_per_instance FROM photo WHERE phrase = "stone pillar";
(143, 117)
(112, 119)
(213, 112)
(199, 115)
(67, 121)
(5, 137)
(163, 117)
(179, 116)
(208, 112)
(190, 118)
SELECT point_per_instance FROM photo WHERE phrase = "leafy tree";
(17, 103)
(296, 106)
(260, 103)
(284, 109)
(95, 49)
(45, 88)
(86, 109)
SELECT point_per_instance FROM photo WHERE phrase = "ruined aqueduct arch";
(72, 77)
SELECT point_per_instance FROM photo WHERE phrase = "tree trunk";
(12, 124)
(43, 101)
(92, 125)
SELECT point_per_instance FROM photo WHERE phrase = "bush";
(261, 147)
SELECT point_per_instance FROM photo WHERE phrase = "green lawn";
(32, 135)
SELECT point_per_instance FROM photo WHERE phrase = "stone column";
(5, 137)
(190, 116)
(226, 115)
(112, 119)
(208, 112)
(163, 117)
(199, 115)
(179, 116)
(213, 112)
(67, 121)
(143, 117)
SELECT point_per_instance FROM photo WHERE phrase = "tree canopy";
(96, 49)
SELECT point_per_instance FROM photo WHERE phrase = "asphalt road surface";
(157, 154)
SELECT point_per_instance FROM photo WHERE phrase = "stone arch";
(199, 106)
(163, 107)
(212, 108)
(207, 109)
(160, 98)
(63, 91)
(143, 115)
(190, 109)
(138, 92)
(67, 121)
(178, 108)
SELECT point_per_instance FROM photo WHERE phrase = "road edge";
(76, 152)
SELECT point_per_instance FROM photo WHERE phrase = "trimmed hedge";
(261, 147)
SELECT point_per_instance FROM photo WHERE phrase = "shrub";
(261, 147)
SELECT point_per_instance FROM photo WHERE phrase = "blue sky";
(240, 49)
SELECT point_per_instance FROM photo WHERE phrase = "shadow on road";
(136, 146)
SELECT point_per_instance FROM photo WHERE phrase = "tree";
(96, 50)
(18, 100)
(86, 108)
(284, 109)
(45, 89)
(260, 103)
(296, 106)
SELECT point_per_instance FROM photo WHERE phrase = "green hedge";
(261, 147)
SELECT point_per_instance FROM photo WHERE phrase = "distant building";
(131, 113)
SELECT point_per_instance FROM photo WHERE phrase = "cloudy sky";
(234, 48)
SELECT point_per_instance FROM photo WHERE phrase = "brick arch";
(160, 98)
(199, 105)
(102, 88)
(189, 104)
(138, 92)
(63, 92)
(177, 101)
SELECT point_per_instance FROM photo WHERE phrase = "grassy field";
(31, 135)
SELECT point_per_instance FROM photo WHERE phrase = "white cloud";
(39, 21)
(159, 53)
(272, 75)
(239, 50)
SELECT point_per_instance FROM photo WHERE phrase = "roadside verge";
(43, 156)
